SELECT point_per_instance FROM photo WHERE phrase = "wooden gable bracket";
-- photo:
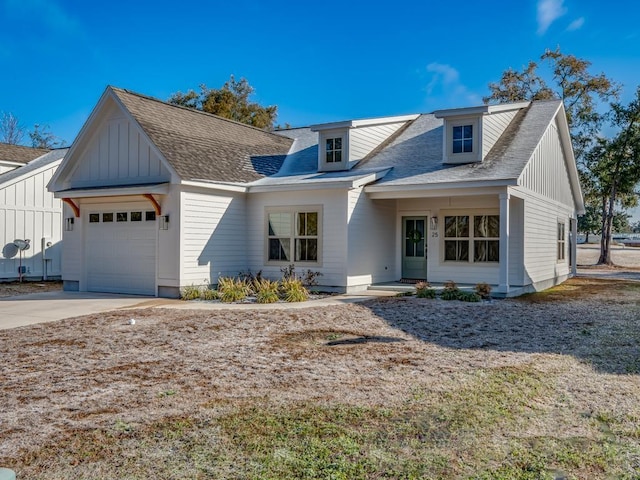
(154, 202)
(73, 205)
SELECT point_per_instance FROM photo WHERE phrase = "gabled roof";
(48, 158)
(201, 146)
(19, 153)
(416, 154)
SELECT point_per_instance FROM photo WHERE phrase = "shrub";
(483, 289)
(424, 290)
(209, 294)
(232, 289)
(293, 291)
(469, 297)
(266, 290)
(308, 278)
(191, 292)
(450, 291)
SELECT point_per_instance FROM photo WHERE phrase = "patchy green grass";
(470, 432)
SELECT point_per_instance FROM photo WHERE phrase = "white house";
(163, 196)
(28, 211)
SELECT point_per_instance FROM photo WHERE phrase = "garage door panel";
(121, 256)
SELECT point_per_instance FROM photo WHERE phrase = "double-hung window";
(561, 241)
(472, 238)
(293, 235)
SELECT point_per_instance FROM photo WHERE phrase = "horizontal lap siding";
(372, 245)
(334, 232)
(365, 139)
(540, 238)
(214, 237)
(29, 211)
(493, 126)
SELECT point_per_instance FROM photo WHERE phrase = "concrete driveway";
(50, 306)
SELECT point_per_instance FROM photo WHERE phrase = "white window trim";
(323, 165)
(472, 238)
(464, 157)
(561, 242)
(294, 215)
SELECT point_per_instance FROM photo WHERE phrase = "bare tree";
(11, 131)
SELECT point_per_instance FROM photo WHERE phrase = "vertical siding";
(493, 126)
(29, 211)
(333, 231)
(118, 154)
(364, 140)
(371, 239)
(546, 173)
(213, 238)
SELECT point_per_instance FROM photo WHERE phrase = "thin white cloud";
(548, 12)
(445, 83)
(47, 12)
(576, 24)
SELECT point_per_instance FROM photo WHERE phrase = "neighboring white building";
(163, 197)
(28, 211)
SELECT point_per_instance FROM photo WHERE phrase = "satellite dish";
(22, 244)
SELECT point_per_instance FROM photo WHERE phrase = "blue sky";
(318, 61)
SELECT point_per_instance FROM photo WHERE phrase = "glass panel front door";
(414, 247)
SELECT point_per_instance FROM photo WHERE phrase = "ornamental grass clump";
(424, 290)
(266, 290)
(468, 297)
(232, 289)
(484, 290)
(292, 290)
(190, 292)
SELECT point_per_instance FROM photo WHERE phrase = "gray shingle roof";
(201, 146)
(416, 154)
(41, 161)
(19, 153)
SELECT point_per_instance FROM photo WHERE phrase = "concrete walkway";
(44, 307)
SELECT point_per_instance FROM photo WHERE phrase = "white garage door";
(121, 249)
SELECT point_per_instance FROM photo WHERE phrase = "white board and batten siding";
(29, 211)
(363, 140)
(213, 236)
(371, 240)
(493, 126)
(333, 262)
(118, 154)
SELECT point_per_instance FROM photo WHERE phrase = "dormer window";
(333, 150)
(462, 139)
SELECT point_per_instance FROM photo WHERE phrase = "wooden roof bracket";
(154, 202)
(73, 205)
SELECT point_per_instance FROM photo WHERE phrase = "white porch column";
(503, 286)
(574, 246)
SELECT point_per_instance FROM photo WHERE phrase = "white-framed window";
(561, 240)
(462, 139)
(293, 235)
(333, 150)
(472, 238)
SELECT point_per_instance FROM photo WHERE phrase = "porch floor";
(402, 287)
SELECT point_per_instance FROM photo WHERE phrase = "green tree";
(41, 137)
(571, 82)
(231, 101)
(614, 165)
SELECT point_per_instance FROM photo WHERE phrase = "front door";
(414, 247)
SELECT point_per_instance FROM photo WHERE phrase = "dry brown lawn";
(392, 388)
(10, 289)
